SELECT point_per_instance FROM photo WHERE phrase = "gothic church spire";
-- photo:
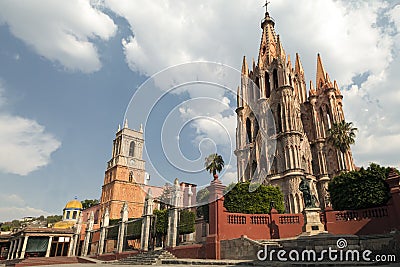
(269, 43)
(321, 74)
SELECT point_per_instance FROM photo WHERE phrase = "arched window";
(248, 130)
(256, 128)
(74, 214)
(279, 118)
(257, 89)
(328, 116)
(275, 77)
(290, 80)
(130, 177)
(132, 149)
(267, 85)
(321, 111)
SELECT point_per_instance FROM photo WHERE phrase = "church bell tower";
(124, 176)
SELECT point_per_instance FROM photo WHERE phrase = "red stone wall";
(226, 226)
(197, 251)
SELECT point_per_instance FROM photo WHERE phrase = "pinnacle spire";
(126, 123)
(289, 62)
(299, 67)
(268, 46)
(312, 90)
(245, 67)
(321, 74)
(337, 90)
(281, 52)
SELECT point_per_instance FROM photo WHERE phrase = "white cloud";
(61, 31)
(349, 41)
(14, 207)
(166, 33)
(352, 37)
(25, 145)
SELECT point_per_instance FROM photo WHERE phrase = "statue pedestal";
(312, 222)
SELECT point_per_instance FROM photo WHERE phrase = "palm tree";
(341, 135)
(214, 163)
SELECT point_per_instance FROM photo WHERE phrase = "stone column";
(18, 247)
(76, 237)
(89, 228)
(49, 247)
(14, 248)
(190, 237)
(11, 249)
(215, 205)
(105, 223)
(121, 230)
(24, 247)
(173, 215)
(146, 222)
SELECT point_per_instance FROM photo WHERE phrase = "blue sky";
(68, 70)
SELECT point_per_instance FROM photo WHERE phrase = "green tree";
(186, 222)
(53, 218)
(240, 200)
(214, 163)
(341, 135)
(202, 202)
(365, 188)
(87, 203)
(161, 222)
(5, 227)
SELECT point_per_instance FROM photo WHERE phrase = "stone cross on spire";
(266, 5)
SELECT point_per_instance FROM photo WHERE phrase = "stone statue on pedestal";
(309, 199)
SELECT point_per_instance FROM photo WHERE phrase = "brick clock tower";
(124, 177)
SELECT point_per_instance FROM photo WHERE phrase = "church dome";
(74, 204)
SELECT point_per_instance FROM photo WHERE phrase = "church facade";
(276, 88)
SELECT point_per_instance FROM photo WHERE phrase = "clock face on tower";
(131, 162)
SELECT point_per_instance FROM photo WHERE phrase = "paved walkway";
(213, 264)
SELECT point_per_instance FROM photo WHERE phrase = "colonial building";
(125, 175)
(275, 87)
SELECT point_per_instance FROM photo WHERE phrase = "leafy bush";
(161, 222)
(361, 189)
(186, 222)
(240, 200)
(202, 198)
(134, 229)
(87, 203)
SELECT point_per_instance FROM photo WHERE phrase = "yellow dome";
(74, 204)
